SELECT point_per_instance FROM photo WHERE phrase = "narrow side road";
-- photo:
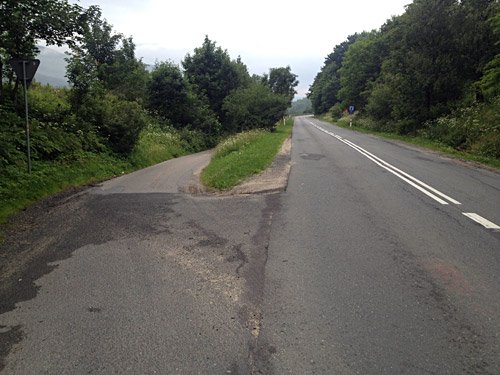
(135, 276)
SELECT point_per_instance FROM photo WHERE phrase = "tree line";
(113, 95)
(433, 71)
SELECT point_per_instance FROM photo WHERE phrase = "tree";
(173, 97)
(169, 93)
(490, 81)
(283, 82)
(323, 93)
(24, 22)
(439, 49)
(210, 68)
(254, 107)
(91, 58)
(361, 66)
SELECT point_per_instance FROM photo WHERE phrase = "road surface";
(370, 272)
(379, 258)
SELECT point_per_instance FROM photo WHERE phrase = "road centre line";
(407, 178)
(395, 171)
(481, 220)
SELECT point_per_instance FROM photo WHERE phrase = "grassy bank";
(414, 140)
(18, 189)
(244, 155)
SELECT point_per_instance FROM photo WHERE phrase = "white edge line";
(365, 153)
(481, 220)
(435, 191)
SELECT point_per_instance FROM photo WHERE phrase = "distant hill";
(52, 68)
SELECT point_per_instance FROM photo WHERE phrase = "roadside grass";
(243, 155)
(18, 189)
(414, 140)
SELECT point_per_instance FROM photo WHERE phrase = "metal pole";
(26, 111)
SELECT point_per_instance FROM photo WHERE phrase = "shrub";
(337, 111)
(122, 123)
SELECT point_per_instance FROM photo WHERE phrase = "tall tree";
(24, 22)
(323, 93)
(360, 68)
(490, 81)
(210, 68)
(283, 82)
(173, 97)
(90, 58)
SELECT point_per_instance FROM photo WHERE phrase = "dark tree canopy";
(283, 82)
(23, 23)
(211, 69)
(416, 67)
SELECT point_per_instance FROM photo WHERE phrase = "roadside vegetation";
(243, 155)
(420, 141)
(432, 73)
(118, 114)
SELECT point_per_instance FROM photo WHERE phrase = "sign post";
(351, 112)
(25, 71)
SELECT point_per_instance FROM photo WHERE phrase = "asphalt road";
(369, 274)
(135, 276)
(358, 267)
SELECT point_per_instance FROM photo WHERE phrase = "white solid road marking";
(481, 220)
(409, 179)
(414, 181)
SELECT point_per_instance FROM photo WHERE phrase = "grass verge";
(414, 140)
(18, 189)
(243, 155)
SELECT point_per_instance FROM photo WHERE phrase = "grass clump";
(243, 155)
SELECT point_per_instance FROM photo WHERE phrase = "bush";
(337, 111)
(474, 129)
(254, 107)
(122, 123)
(12, 138)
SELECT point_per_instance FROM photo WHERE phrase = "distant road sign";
(351, 109)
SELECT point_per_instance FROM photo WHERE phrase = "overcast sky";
(265, 33)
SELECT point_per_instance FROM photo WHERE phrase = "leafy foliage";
(210, 68)
(419, 68)
(282, 82)
(254, 107)
(117, 115)
(173, 97)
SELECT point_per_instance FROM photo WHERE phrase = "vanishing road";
(379, 258)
